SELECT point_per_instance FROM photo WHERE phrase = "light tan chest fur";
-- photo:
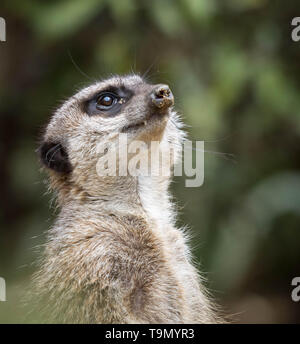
(113, 263)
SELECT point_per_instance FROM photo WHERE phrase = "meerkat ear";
(55, 157)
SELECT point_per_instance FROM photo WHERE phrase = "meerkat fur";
(114, 254)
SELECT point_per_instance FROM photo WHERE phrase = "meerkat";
(114, 254)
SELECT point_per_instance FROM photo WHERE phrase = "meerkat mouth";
(146, 123)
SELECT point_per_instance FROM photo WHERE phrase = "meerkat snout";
(162, 96)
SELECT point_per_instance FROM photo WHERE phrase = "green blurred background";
(235, 73)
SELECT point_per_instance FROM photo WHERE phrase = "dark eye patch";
(108, 102)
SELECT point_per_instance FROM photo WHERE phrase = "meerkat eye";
(106, 101)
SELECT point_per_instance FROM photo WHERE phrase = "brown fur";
(114, 254)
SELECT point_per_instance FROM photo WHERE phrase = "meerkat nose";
(162, 96)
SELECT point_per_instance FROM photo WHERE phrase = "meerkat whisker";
(114, 254)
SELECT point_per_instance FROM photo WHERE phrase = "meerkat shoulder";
(114, 254)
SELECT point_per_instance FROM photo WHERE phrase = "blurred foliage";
(235, 73)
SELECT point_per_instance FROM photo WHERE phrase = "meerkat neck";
(143, 196)
(155, 200)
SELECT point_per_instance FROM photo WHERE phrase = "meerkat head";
(97, 115)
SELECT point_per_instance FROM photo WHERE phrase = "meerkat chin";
(114, 254)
